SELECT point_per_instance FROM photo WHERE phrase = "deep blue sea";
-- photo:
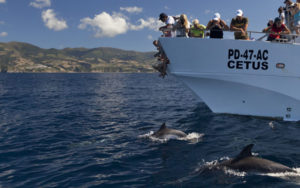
(92, 130)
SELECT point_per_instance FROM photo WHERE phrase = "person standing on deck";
(239, 24)
(197, 29)
(182, 26)
(296, 16)
(216, 27)
(281, 14)
(170, 22)
(277, 30)
(167, 29)
(289, 5)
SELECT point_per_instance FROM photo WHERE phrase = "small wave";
(229, 171)
(293, 177)
(147, 135)
(152, 138)
(213, 165)
(206, 166)
(191, 137)
(271, 125)
(224, 158)
(286, 174)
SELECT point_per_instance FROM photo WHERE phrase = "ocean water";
(94, 130)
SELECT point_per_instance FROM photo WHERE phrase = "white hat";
(239, 12)
(217, 16)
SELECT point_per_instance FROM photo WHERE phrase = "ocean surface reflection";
(86, 130)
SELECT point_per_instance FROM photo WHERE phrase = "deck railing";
(259, 36)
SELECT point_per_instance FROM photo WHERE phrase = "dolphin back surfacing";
(246, 162)
(165, 132)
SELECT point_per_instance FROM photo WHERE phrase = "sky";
(125, 24)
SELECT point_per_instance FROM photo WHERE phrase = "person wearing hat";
(169, 21)
(239, 24)
(277, 30)
(296, 16)
(288, 11)
(197, 30)
(167, 29)
(216, 26)
(289, 3)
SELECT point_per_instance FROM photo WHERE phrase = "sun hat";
(239, 12)
(217, 16)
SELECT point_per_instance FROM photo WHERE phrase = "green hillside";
(23, 57)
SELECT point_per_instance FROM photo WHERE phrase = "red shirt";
(276, 30)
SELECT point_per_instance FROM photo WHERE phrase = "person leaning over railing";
(197, 30)
(277, 30)
(269, 24)
(182, 26)
(239, 24)
(170, 22)
(167, 29)
(216, 26)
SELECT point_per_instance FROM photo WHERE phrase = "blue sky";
(125, 24)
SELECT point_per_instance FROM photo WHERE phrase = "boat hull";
(239, 77)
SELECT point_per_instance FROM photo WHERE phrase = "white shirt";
(170, 20)
(282, 17)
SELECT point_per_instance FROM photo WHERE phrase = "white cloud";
(41, 3)
(2, 22)
(3, 34)
(150, 23)
(207, 11)
(106, 25)
(132, 9)
(150, 37)
(50, 20)
(2, 1)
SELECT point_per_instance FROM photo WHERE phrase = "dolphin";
(165, 132)
(246, 162)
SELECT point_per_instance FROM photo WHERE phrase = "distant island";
(23, 57)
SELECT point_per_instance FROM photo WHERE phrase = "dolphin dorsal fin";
(163, 126)
(246, 152)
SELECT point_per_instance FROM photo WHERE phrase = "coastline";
(17, 57)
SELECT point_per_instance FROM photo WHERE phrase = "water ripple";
(82, 130)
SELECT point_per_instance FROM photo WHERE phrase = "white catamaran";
(256, 78)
